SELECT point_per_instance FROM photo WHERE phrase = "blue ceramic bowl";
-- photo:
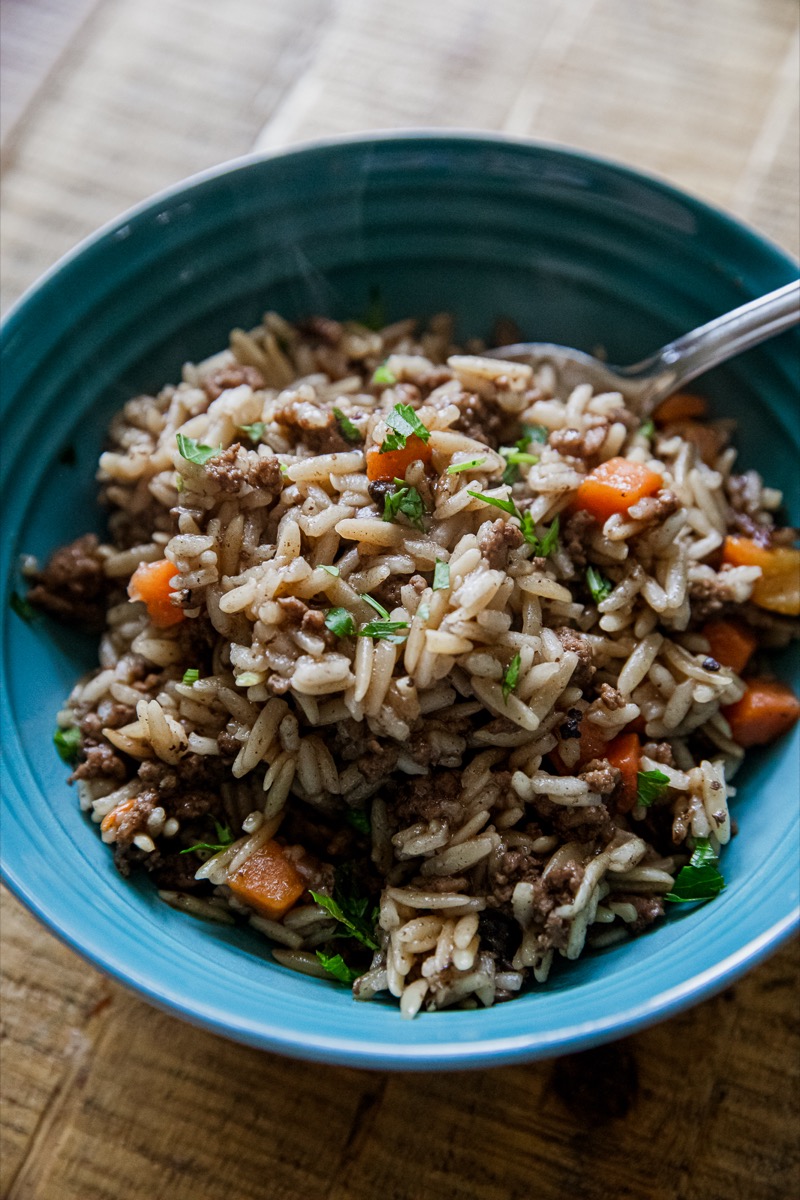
(579, 251)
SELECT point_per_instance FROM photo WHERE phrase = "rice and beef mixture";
(428, 674)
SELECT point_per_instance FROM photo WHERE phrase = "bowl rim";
(330, 1048)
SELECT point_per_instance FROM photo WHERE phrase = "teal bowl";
(579, 251)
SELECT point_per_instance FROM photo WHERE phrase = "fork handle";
(690, 355)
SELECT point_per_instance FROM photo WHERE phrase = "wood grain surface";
(105, 101)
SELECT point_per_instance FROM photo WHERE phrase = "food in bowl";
(431, 674)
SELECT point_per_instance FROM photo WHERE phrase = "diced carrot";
(708, 439)
(152, 583)
(625, 753)
(393, 464)
(267, 882)
(731, 642)
(616, 485)
(679, 407)
(778, 589)
(765, 711)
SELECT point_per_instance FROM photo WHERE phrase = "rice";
(378, 712)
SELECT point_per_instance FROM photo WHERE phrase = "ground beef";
(277, 685)
(591, 824)
(134, 821)
(316, 428)
(188, 790)
(113, 716)
(572, 640)
(580, 443)
(709, 595)
(229, 746)
(496, 542)
(300, 615)
(479, 420)
(576, 536)
(499, 934)
(317, 876)
(324, 328)
(655, 508)
(232, 376)
(388, 592)
(73, 586)
(601, 776)
(174, 872)
(660, 752)
(648, 908)
(611, 698)
(379, 489)
(237, 468)
(428, 798)
(100, 762)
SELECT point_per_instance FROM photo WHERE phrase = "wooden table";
(106, 101)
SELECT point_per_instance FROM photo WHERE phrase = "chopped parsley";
(350, 910)
(543, 546)
(331, 570)
(521, 456)
(403, 422)
(348, 430)
(600, 587)
(534, 433)
(407, 501)
(373, 603)
(22, 607)
(506, 505)
(648, 429)
(424, 611)
(224, 839)
(194, 451)
(340, 622)
(457, 468)
(386, 631)
(441, 576)
(191, 676)
(357, 819)
(700, 880)
(255, 431)
(68, 743)
(651, 786)
(511, 677)
(335, 965)
(384, 376)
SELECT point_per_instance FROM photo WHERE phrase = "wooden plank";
(103, 1097)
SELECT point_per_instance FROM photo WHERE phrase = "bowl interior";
(577, 251)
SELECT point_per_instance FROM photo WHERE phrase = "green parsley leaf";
(331, 570)
(382, 375)
(700, 880)
(255, 431)
(384, 631)
(511, 677)
(22, 607)
(224, 839)
(457, 468)
(348, 430)
(403, 422)
(544, 546)
(358, 819)
(598, 585)
(375, 316)
(194, 451)
(405, 500)
(373, 603)
(335, 965)
(191, 676)
(520, 456)
(353, 919)
(648, 429)
(340, 622)
(511, 474)
(284, 468)
(68, 743)
(533, 433)
(441, 576)
(424, 611)
(651, 786)
(506, 505)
